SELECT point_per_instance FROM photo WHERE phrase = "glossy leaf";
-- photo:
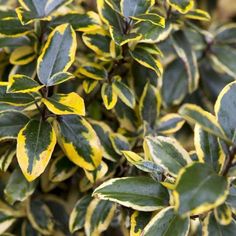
(109, 96)
(183, 6)
(22, 55)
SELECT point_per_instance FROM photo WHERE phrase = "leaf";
(61, 169)
(40, 217)
(208, 149)
(199, 189)
(119, 142)
(89, 85)
(182, 6)
(149, 104)
(167, 153)
(138, 221)
(22, 84)
(223, 57)
(58, 53)
(198, 14)
(65, 104)
(138, 193)
(7, 221)
(93, 71)
(98, 216)
(135, 7)
(22, 55)
(35, 144)
(109, 97)
(226, 34)
(99, 41)
(32, 9)
(153, 18)
(175, 83)
(79, 141)
(6, 157)
(59, 78)
(103, 132)
(184, 51)
(170, 123)
(206, 120)
(77, 216)
(16, 99)
(125, 94)
(17, 188)
(223, 214)
(85, 22)
(11, 122)
(224, 108)
(147, 60)
(167, 222)
(211, 227)
(10, 26)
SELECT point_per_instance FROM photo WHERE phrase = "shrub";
(116, 120)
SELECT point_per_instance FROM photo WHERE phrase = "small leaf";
(139, 193)
(167, 153)
(109, 97)
(58, 53)
(22, 84)
(59, 78)
(226, 34)
(198, 14)
(152, 18)
(79, 141)
(93, 71)
(183, 6)
(35, 144)
(7, 221)
(119, 142)
(65, 104)
(167, 222)
(199, 189)
(223, 214)
(11, 122)
(22, 55)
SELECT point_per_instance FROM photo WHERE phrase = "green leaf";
(184, 50)
(125, 94)
(88, 21)
(223, 214)
(40, 217)
(226, 34)
(198, 14)
(6, 157)
(170, 123)
(10, 26)
(7, 221)
(61, 169)
(152, 18)
(199, 189)
(119, 142)
(22, 84)
(223, 57)
(212, 227)
(18, 188)
(167, 222)
(139, 193)
(98, 216)
(59, 78)
(206, 120)
(16, 99)
(58, 53)
(183, 6)
(109, 96)
(147, 60)
(93, 71)
(224, 109)
(35, 144)
(77, 216)
(31, 10)
(167, 153)
(208, 148)
(175, 83)
(135, 7)
(149, 104)
(79, 141)
(65, 104)
(11, 122)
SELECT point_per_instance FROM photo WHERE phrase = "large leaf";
(79, 141)
(199, 189)
(224, 108)
(135, 7)
(58, 54)
(167, 153)
(139, 193)
(65, 104)
(11, 122)
(35, 144)
(167, 222)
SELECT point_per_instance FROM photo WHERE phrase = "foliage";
(118, 119)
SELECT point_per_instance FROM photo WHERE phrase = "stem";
(229, 160)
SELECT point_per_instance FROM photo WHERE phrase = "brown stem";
(229, 160)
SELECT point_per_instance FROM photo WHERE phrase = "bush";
(117, 119)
